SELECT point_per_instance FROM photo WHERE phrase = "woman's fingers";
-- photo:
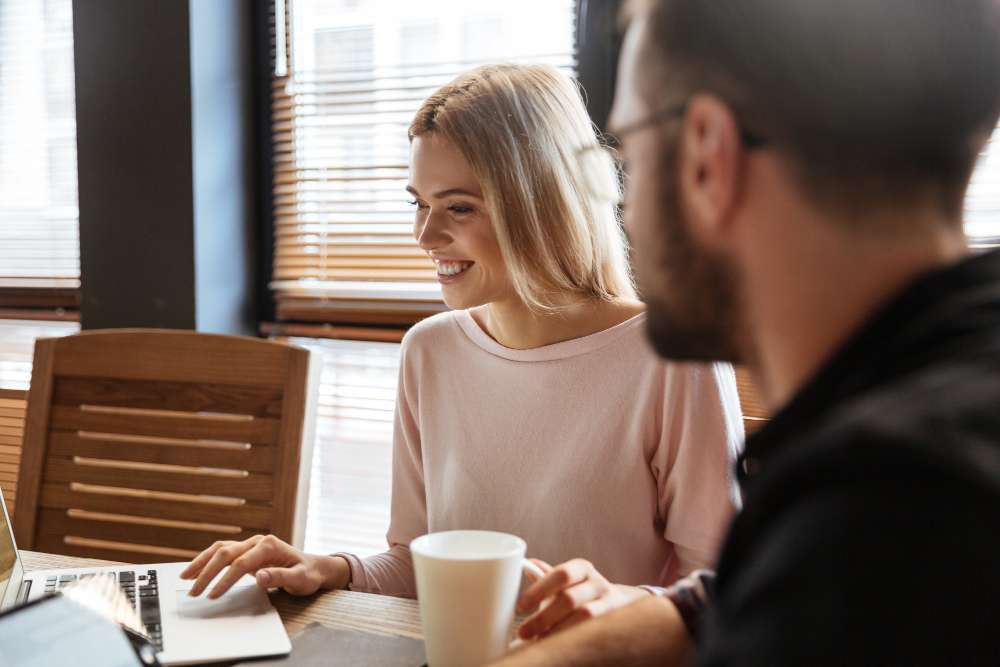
(542, 565)
(565, 604)
(268, 551)
(568, 574)
(222, 557)
(201, 559)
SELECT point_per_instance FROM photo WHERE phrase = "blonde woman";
(513, 408)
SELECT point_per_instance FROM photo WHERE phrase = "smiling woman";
(536, 407)
(555, 218)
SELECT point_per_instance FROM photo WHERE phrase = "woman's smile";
(450, 271)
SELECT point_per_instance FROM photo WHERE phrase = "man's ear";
(711, 165)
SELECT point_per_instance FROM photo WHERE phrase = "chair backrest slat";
(176, 507)
(191, 425)
(125, 475)
(58, 523)
(175, 396)
(170, 451)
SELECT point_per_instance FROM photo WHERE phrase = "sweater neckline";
(561, 350)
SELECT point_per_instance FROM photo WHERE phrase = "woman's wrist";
(336, 572)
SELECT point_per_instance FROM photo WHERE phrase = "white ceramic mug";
(467, 584)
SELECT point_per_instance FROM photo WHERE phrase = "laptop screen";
(8, 554)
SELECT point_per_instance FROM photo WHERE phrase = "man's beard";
(693, 309)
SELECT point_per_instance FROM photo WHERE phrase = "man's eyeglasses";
(749, 138)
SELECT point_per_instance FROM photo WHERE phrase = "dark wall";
(598, 42)
(166, 143)
(133, 117)
(263, 50)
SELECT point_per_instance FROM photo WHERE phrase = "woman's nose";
(430, 231)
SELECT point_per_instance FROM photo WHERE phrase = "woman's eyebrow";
(456, 191)
(445, 193)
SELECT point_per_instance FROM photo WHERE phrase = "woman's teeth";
(451, 268)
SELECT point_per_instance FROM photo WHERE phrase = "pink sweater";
(592, 448)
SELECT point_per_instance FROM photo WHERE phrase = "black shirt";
(870, 532)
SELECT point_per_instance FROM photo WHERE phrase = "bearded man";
(796, 171)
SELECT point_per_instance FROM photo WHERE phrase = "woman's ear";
(711, 164)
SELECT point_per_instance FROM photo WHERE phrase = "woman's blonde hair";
(550, 188)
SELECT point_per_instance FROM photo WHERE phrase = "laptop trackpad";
(238, 601)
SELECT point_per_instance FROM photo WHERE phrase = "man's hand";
(276, 564)
(645, 633)
(569, 594)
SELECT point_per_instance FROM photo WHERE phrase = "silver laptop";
(240, 624)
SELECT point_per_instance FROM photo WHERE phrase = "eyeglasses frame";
(750, 139)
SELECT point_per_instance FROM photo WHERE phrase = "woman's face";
(453, 227)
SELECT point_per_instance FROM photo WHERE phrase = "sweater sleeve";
(387, 573)
(391, 572)
(695, 461)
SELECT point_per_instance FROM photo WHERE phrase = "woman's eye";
(461, 210)
(416, 203)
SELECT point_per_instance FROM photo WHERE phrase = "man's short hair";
(874, 100)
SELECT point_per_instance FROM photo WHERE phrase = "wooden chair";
(149, 445)
(754, 413)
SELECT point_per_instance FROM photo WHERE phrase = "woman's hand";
(276, 564)
(569, 594)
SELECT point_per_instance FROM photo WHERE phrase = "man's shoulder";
(941, 422)
(884, 510)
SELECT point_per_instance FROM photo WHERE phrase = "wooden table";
(378, 614)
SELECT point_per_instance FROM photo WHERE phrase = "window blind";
(39, 238)
(17, 345)
(344, 250)
(982, 199)
(352, 461)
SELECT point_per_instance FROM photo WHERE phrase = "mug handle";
(532, 568)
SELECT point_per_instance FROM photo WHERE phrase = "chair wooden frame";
(145, 445)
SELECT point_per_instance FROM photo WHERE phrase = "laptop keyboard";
(149, 607)
(146, 588)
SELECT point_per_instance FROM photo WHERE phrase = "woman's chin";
(456, 300)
